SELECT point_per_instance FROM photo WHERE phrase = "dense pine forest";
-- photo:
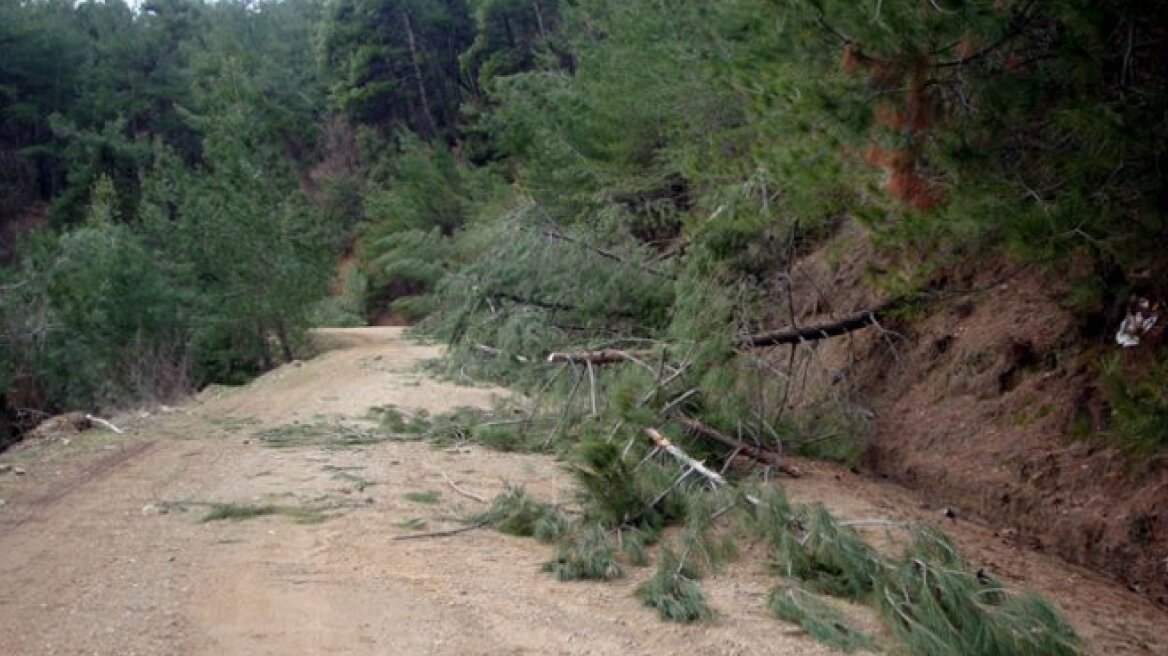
(626, 186)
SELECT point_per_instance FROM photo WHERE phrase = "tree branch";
(848, 324)
(764, 456)
(552, 234)
(603, 356)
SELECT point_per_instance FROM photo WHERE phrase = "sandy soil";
(97, 555)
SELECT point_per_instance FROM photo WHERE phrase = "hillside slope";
(975, 400)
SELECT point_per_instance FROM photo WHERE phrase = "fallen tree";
(794, 335)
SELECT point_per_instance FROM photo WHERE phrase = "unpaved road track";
(89, 563)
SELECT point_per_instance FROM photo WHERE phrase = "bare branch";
(603, 356)
(104, 424)
(769, 458)
(848, 324)
(469, 495)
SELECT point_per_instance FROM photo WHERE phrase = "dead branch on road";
(469, 495)
(442, 534)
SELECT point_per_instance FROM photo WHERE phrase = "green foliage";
(515, 512)
(674, 592)
(702, 540)
(818, 618)
(936, 606)
(422, 195)
(512, 36)
(394, 63)
(332, 435)
(393, 421)
(94, 321)
(621, 493)
(586, 554)
(429, 497)
(832, 559)
(608, 482)
(832, 429)
(1138, 404)
(635, 542)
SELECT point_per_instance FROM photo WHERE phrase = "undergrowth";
(1139, 405)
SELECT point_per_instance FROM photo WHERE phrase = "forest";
(180, 179)
(187, 187)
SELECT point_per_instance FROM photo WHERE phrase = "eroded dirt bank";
(986, 398)
(99, 556)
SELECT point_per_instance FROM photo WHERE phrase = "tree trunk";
(421, 80)
(285, 343)
(539, 19)
(265, 348)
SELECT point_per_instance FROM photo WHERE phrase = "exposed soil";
(975, 401)
(99, 556)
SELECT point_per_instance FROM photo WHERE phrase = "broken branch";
(603, 356)
(848, 324)
(103, 423)
(551, 234)
(769, 458)
(714, 477)
(491, 350)
(662, 442)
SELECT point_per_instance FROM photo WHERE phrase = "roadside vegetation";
(600, 204)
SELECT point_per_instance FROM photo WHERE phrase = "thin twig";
(592, 387)
(564, 412)
(465, 493)
(442, 534)
(875, 522)
(677, 401)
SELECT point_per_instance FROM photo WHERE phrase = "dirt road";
(102, 550)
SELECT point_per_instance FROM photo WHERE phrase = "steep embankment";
(974, 400)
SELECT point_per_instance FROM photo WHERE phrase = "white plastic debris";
(1141, 317)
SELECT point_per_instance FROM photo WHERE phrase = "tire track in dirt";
(29, 504)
